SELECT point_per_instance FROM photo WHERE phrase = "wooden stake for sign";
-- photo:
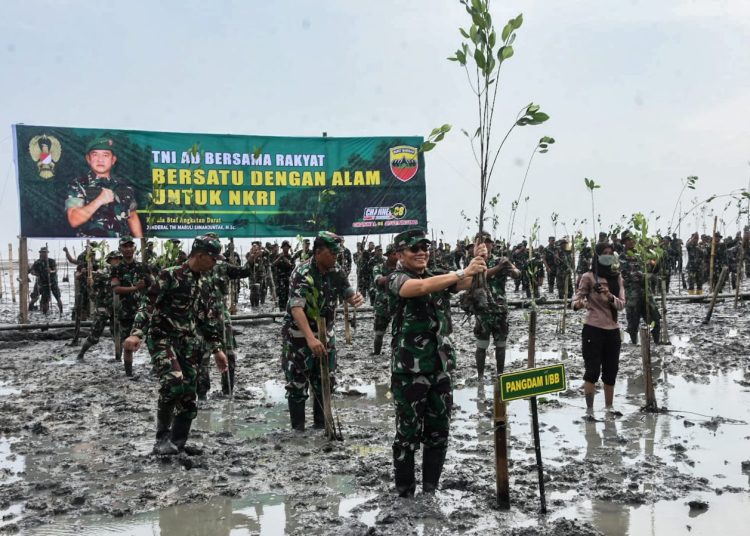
(719, 284)
(325, 383)
(713, 257)
(10, 273)
(347, 326)
(502, 482)
(664, 334)
(647, 374)
(23, 268)
(531, 361)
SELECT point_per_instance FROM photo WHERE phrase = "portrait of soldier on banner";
(100, 203)
(45, 151)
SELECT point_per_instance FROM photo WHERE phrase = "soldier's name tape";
(532, 382)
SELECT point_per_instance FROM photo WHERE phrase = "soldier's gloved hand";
(317, 347)
(222, 363)
(106, 196)
(356, 300)
(132, 343)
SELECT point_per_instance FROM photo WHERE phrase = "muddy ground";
(75, 442)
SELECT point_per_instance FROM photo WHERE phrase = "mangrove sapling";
(541, 147)
(687, 184)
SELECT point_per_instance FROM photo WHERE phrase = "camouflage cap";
(286, 243)
(484, 236)
(390, 248)
(208, 244)
(101, 144)
(126, 240)
(93, 244)
(330, 240)
(409, 238)
(626, 235)
(113, 255)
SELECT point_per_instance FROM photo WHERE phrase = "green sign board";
(107, 183)
(532, 382)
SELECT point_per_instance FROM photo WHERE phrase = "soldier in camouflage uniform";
(376, 259)
(45, 271)
(151, 256)
(383, 309)
(81, 277)
(563, 268)
(283, 267)
(257, 267)
(549, 264)
(129, 278)
(422, 358)
(584, 260)
(696, 261)
(519, 256)
(637, 304)
(177, 310)
(494, 321)
(720, 260)
(103, 302)
(316, 286)
(100, 203)
(364, 273)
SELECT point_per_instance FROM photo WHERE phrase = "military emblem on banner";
(404, 162)
(45, 151)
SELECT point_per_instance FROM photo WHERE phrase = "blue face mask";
(607, 260)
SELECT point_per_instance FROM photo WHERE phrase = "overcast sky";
(641, 94)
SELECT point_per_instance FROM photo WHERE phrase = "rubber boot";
(297, 415)
(403, 471)
(128, 369)
(227, 379)
(319, 420)
(500, 359)
(378, 346)
(86, 345)
(656, 334)
(432, 467)
(179, 436)
(60, 307)
(481, 357)
(633, 337)
(163, 445)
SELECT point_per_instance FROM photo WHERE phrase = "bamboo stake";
(325, 382)
(23, 257)
(740, 269)
(722, 277)
(664, 334)
(347, 326)
(10, 273)
(713, 257)
(647, 373)
(2, 279)
(565, 304)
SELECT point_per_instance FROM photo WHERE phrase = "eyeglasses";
(416, 248)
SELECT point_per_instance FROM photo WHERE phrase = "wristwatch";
(460, 274)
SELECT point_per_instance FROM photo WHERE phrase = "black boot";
(481, 357)
(180, 432)
(500, 359)
(633, 337)
(227, 379)
(128, 369)
(319, 420)
(163, 446)
(403, 471)
(297, 415)
(432, 467)
(86, 345)
(378, 346)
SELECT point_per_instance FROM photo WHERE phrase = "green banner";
(107, 183)
(532, 382)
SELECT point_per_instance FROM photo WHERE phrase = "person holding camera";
(601, 291)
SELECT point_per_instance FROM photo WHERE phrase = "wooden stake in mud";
(565, 304)
(2, 280)
(347, 326)
(90, 277)
(664, 335)
(23, 268)
(713, 257)
(740, 270)
(10, 273)
(647, 373)
(325, 384)
(531, 361)
(719, 284)
(116, 324)
(502, 482)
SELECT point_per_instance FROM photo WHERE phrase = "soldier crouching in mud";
(179, 305)
(314, 290)
(422, 358)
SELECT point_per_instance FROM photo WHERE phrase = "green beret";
(99, 144)
(330, 240)
(208, 244)
(409, 238)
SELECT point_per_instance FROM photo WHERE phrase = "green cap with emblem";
(409, 238)
(101, 144)
(208, 244)
(126, 240)
(330, 240)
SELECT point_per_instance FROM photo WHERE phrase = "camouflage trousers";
(44, 290)
(126, 326)
(641, 308)
(551, 276)
(169, 357)
(560, 280)
(695, 279)
(102, 319)
(201, 356)
(282, 293)
(302, 369)
(382, 315)
(491, 324)
(423, 411)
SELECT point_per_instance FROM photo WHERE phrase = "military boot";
(163, 446)
(319, 420)
(633, 337)
(432, 467)
(180, 432)
(84, 348)
(227, 379)
(129, 368)
(297, 415)
(403, 471)
(500, 359)
(481, 357)
(378, 346)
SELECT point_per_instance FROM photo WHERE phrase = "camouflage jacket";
(283, 267)
(103, 289)
(178, 307)
(632, 276)
(584, 260)
(497, 282)
(217, 284)
(127, 275)
(421, 328)
(696, 257)
(109, 220)
(43, 275)
(318, 294)
(563, 261)
(257, 268)
(549, 256)
(383, 305)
